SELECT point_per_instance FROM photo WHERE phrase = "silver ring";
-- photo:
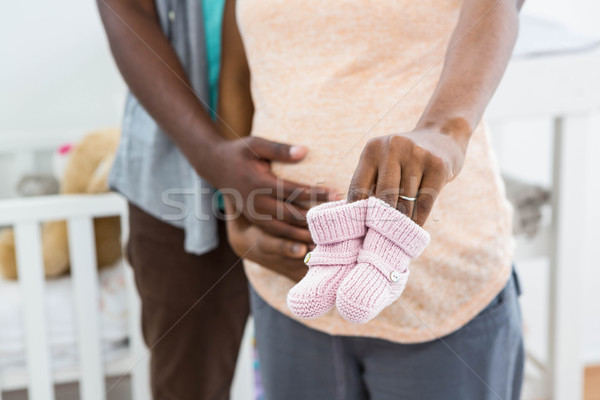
(407, 198)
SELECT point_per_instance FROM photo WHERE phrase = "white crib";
(25, 215)
(21, 153)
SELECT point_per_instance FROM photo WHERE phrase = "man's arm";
(154, 74)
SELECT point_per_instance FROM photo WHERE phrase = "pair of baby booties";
(360, 262)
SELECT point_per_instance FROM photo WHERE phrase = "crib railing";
(26, 216)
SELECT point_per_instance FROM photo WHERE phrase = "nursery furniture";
(26, 215)
(561, 86)
(22, 152)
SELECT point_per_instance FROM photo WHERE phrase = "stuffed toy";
(85, 172)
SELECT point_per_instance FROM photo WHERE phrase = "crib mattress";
(60, 319)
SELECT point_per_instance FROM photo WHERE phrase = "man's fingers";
(431, 186)
(282, 247)
(276, 151)
(293, 192)
(283, 230)
(299, 193)
(293, 268)
(283, 189)
(282, 211)
(388, 180)
(289, 266)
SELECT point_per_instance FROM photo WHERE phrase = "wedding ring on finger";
(407, 198)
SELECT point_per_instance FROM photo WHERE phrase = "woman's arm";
(421, 162)
(477, 55)
(281, 254)
(235, 100)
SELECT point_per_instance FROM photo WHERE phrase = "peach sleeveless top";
(331, 75)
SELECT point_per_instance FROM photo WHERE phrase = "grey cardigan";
(149, 170)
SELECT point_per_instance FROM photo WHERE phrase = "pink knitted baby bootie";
(338, 229)
(393, 240)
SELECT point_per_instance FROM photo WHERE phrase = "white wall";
(57, 79)
(578, 15)
(57, 72)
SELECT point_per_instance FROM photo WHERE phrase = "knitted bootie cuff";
(396, 227)
(337, 221)
(323, 258)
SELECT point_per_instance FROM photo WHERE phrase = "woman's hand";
(281, 255)
(424, 160)
(416, 164)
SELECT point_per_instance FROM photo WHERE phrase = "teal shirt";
(213, 22)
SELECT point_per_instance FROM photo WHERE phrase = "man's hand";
(280, 255)
(416, 164)
(242, 171)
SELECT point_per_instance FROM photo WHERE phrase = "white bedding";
(60, 320)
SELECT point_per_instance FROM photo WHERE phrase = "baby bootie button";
(306, 258)
(394, 276)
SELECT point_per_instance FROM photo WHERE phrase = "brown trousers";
(193, 310)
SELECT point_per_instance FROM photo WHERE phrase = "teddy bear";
(85, 172)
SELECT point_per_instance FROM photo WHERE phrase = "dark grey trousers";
(482, 360)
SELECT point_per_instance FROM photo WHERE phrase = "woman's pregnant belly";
(333, 152)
